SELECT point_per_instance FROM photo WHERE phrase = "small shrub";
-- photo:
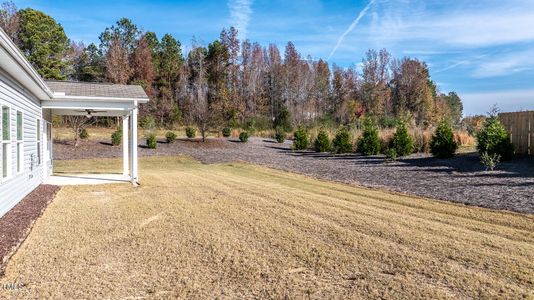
(369, 143)
(227, 132)
(342, 142)
(84, 134)
(391, 154)
(300, 139)
(243, 136)
(493, 139)
(116, 137)
(151, 141)
(280, 135)
(171, 137)
(322, 142)
(402, 142)
(190, 132)
(443, 144)
(490, 161)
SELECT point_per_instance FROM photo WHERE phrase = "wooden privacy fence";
(520, 125)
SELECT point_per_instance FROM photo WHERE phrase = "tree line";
(229, 82)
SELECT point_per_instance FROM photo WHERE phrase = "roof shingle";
(85, 89)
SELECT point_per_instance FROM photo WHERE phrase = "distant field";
(242, 231)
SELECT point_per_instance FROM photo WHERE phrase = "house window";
(20, 143)
(38, 141)
(6, 140)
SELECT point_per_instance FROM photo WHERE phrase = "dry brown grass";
(463, 138)
(102, 133)
(241, 231)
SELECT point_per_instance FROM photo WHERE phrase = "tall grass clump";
(369, 143)
(422, 138)
(443, 144)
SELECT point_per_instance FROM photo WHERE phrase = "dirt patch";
(461, 179)
(17, 223)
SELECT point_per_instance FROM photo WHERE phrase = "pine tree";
(44, 43)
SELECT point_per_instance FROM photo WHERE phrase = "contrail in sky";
(240, 11)
(351, 28)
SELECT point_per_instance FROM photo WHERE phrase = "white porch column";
(125, 151)
(135, 176)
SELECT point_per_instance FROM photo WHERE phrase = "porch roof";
(71, 89)
(100, 99)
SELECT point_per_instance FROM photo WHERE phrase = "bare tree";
(77, 124)
(9, 19)
(117, 63)
(375, 92)
(200, 111)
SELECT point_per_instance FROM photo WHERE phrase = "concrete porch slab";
(85, 179)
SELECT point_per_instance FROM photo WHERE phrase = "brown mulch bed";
(17, 223)
(461, 179)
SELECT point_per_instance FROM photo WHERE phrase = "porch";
(94, 100)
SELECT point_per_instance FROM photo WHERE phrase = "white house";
(27, 104)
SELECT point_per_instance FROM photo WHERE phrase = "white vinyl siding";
(22, 177)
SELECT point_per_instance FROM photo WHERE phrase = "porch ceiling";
(99, 107)
(96, 112)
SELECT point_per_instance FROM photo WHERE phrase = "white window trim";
(9, 156)
(20, 150)
(38, 142)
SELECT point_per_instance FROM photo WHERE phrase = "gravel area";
(461, 179)
(17, 223)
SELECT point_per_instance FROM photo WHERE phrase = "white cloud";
(505, 65)
(351, 28)
(471, 26)
(240, 12)
(507, 100)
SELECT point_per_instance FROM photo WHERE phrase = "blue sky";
(482, 49)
